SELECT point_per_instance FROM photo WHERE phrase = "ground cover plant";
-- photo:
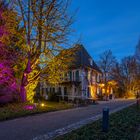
(15, 110)
(124, 125)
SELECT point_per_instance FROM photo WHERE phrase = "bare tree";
(46, 26)
(106, 63)
(137, 57)
(127, 75)
(137, 52)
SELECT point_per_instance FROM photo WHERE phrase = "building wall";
(88, 87)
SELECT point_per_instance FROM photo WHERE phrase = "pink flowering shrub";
(8, 86)
(9, 90)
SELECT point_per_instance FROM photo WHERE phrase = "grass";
(124, 125)
(16, 110)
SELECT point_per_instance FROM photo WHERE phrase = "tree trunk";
(24, 82)
(23, 93)
(22, 87)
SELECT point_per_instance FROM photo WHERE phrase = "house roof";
(82, 58)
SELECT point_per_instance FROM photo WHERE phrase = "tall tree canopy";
(127, 76)
(45, 26)
(10, 52)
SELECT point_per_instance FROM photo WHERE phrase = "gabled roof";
(82, 58)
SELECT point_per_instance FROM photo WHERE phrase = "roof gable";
(82, 58)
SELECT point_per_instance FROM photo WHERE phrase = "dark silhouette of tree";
(137, 52)
(127, 76)
(106, 63)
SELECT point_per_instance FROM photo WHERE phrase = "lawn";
(11, 111)
(124, 125)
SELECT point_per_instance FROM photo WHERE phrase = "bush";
(79, 101)
(8, 95)
(53, 97)
(38, 98)
(119, 93)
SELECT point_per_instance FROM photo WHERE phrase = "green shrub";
(53, 97)
(38, 98)
(79, 101)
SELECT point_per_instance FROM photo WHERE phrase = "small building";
(81, 80)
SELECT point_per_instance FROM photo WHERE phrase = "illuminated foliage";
(46, 26)
(8, 85)
(57, 67)
(30, 88)
(127, 75)
(11, 54)
(6, 76)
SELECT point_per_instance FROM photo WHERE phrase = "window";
(93, 79)
(89, 75)
(50, 90)
(65, 90)
(46, 90)
(98, 78)
(59, 90)
(88, 92)
(53, 90)
(77, 75)
(70, 75)
(73, 76)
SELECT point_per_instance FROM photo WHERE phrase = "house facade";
(82, 80)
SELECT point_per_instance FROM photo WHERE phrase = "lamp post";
(105, 120)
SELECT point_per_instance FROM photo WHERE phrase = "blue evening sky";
(107, 24)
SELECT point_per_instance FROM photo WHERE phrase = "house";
(81, 80)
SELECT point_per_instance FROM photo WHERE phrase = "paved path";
(30, 127)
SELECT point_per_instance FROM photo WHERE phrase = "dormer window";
(91, 62)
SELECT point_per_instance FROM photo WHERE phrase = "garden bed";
(124, 125)
(16, 110)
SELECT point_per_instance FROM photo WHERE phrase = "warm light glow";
(113, 83)
(31, 88)
(93, 91)
(29, 107)
(103, 90)
(101, 85)
(108, 91)
(42, 104)
(133, 97)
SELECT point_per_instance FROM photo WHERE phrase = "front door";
(65, 90)
(88, 92)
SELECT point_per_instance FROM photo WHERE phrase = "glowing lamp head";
(42, 104)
